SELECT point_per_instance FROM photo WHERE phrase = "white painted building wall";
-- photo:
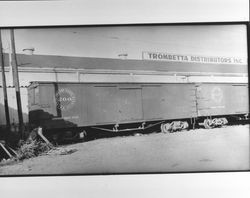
(11, 93)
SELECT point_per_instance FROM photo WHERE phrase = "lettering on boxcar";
(65, 99)
(70, 117)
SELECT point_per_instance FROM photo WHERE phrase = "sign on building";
(161, 56)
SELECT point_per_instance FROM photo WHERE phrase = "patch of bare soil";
(195, 150)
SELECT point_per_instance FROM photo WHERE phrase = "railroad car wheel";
(208, 124)
(82, 135)
(166, 127)
(174, 126)
(224, 121)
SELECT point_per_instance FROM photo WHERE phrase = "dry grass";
(32, 148)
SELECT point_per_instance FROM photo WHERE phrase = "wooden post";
(6, 106)
(16, 83)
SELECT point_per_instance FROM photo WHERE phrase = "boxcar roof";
(35, 83)
(49, 61)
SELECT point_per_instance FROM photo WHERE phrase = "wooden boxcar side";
(60, 105)
(114, 103)
(169, 101)
(222, 99)
(64, 105)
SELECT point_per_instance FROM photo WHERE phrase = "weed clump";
(32, 148)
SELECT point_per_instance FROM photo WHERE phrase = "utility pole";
(16, 83)
(6, 106)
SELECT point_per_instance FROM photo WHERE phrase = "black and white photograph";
(122, 99)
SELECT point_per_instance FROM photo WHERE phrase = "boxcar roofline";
(33, 83)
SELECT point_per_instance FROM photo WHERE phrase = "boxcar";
(111, 106)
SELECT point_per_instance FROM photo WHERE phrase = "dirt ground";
(195, 150)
